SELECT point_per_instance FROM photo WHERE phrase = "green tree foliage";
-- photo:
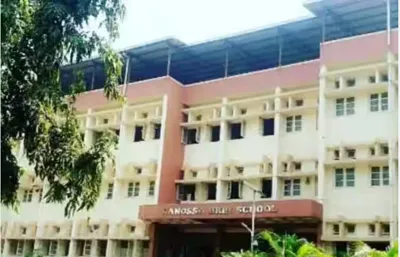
(38, 36)
(292, 246)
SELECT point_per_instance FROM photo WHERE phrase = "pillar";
(6, 249)
(221, 160)
(392, 139)
(94, 248)
(88, 140)
(137, 248)
(321, 134)
(161, 149)
(275, 161)
(110, 248)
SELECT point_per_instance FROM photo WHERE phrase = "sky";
(198, 21)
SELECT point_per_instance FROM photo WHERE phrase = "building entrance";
(210, 241)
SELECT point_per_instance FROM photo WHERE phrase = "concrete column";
(392, 138)
(221, 160)
(123, 128)
(93, 249)
(275, 161)
(6, 249)
(160, 152)
(72, 248)
(321, 135)
(137, 248)
(88, 140)
(38, 244)
(110, 248)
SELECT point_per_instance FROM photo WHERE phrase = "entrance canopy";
(198, 213)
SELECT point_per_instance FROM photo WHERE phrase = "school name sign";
(197, 210)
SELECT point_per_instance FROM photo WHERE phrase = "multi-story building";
(299, 119)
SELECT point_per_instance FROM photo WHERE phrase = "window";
(344, 177)
(268, 127)
(371, 229)
(187, 192)
(350, 228)
(130, 189)
(23, 230)
(293, 123)
(235, 190)
(266, 188)
(384, 149)
(243, 111)
(194, 174)
(297, 166)
(239, 170)
(87, 247)
(215, 130)
(336, 155)
(380, 176)
(157, 131)
(20, 247)
(138, 170)
(337, 84)
(284, 167)
(291, 187)
(345, 106)
(237, 130)
(139, 134)
(110, 189)
(144, 115)
(372, 79)
(299, 102)
(351, 153)
(385, 229)
(378, 102)
(27, 198)
(191, 136)
(151, 188)
(96, 136)
(335, 229)
(211, 191)
(102, 248)
(384, 77)
(105, 121)
(198, 118)
(351, 82)
(53, 247)
(372, 151)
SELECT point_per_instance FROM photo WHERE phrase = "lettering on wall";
(246, 209)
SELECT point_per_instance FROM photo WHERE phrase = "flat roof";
(272, 46)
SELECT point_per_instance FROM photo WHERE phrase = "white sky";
(195, 21)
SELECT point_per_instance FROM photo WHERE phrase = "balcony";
(290, 167)
(143, 114)
(56, 230)
(342, 229)
(202, 115)
(248, 170)
(351, 154)
(22, 230)
(365, 79)
(139, 172)
(87, 228)
(108, 119)
(128, 229)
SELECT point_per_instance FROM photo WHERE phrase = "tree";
(38, 36)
